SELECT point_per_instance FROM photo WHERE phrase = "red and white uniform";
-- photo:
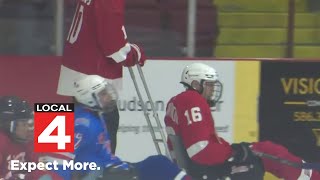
(189, 116)
(97, 44)
(10, 150)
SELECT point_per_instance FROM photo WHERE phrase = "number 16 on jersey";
(54, 127)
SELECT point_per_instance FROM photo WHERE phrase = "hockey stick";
(301, 165)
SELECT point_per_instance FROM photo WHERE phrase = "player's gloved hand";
(241, 152)
(136, 56)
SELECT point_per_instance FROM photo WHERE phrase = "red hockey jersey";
(189, 116)
(96, 43)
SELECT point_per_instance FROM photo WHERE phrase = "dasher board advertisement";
(163, 77)
(289, 112)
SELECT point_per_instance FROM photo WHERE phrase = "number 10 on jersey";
(54, 127)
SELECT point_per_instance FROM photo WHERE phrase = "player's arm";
(198, 134)
(82, 135)
(171, 123)
(111, 34)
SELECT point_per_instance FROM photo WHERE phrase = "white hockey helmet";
(198, 72)
(202, 73)
(86, 90)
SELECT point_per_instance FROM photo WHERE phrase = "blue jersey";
(92, 142)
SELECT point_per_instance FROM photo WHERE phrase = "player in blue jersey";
(94, 97)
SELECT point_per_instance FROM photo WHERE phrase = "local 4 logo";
(54, 127)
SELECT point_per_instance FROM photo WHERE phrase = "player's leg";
(282, 170)
(112, 121)
(249, 170)
(114, 172)
(159, 167)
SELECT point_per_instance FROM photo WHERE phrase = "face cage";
(13, 129)
(217, 92)
(113, 93)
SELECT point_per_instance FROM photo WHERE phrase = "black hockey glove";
(241, 152)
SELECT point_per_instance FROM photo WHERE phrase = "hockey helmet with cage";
(12, 110)
(198, 72)
(202, 73)
(87, 91)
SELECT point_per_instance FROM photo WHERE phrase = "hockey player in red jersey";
(97, 45)
(189, 117)
(16, 135)
(15, 120)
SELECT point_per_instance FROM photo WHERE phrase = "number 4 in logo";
(61, 138)
(53, 131)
